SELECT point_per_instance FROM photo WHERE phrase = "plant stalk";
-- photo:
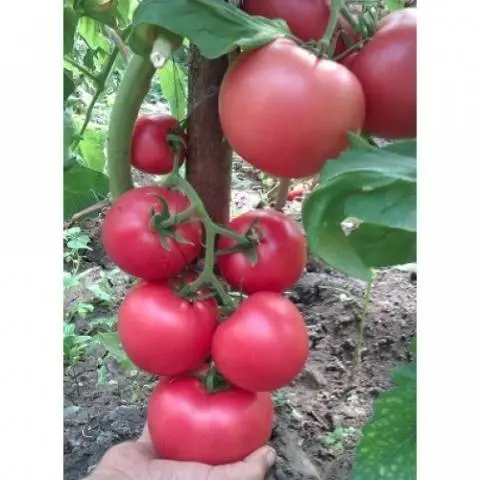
(131, 93)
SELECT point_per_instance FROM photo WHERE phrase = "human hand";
(137, 461)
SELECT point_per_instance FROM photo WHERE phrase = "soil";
(318, 417)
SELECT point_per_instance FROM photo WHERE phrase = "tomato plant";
(324, 101)
(134, 241)
(279, 250)
(164, 334)
(152, 149)
(387, 70)
(186, 422)
(263, 345)
(297, 99)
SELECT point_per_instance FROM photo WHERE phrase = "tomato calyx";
(214, 381)
(248, 246)
(165, 223)
(176, 139)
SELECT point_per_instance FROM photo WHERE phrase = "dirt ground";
(318, 417)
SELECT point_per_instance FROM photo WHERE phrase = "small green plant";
(388, 448)
(338, 439)
(76, 243)
(75, 346)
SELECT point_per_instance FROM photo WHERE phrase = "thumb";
(254, 467)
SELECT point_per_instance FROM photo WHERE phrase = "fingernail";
(271, 457)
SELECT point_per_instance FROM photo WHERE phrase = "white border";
(31, 100)
(31, 224)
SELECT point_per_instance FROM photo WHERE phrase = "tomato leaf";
(389, 444)
(92, 148)
(70, 21)
(402, 147)
(393, 5)
(378, 189)
(173, 84)
(125, 9)
(215, 27)
(91, 31)
(82, 187)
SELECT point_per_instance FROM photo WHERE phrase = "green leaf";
(215, 27)
(173, 84)
(379, 191)
(388, 447)
(402, 147)
(358, 142)
(70, 21)
(100, 293)
(393, 5)
(104, 11)
(125, 9)
(91, 30)
(82, 187)
(111, 341)
(92, 148)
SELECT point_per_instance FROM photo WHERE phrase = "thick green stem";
(131, 93)
(347, 14)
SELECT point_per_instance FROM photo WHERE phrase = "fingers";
(146, 441)
(254, 467)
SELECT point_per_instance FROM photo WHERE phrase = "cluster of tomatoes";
(286, 111)
(213, 403)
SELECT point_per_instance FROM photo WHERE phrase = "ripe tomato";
(187, 423)
(307, 19)
(164, 334)
(348, 60)
(387, 69)
(151, 151)
(135, 246)
(281, 253)
(297, 193)
(286, 111)
(263, 345)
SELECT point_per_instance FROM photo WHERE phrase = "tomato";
(186, 423)
(297, 193)
(263, 345)
(163, 333)
(135, 246)
(348, 60)
(151, 151)
(306, 19)
(286, 111)
(281, 253)
(387, 69)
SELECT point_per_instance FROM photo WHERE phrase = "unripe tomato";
(387, 69)
(151, 151)
(163, 333)
(187, 423)
(263, 345)
(130, 240)
(286, 111)
(281, 253)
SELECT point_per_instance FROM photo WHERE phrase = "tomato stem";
(324, 42)
(131, 92)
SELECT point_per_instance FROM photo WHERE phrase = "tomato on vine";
(280, 250)
(387, 69)
(263, 345)
(152, 149)
(143, 249)
(188, 423)
(163, 333)
(286, 111)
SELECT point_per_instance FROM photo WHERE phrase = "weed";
(340, 437)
